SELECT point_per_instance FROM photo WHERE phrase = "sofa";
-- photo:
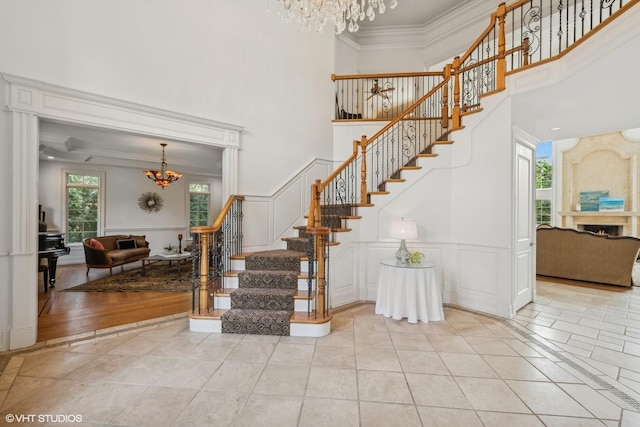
(581, 255)
(111, 251)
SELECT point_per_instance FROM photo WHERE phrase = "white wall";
(234, 62)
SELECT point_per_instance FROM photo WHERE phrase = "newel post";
(203, 234)
(446, 73)
(502, 63)
(455, 117)
(363, 171)
(320, 235)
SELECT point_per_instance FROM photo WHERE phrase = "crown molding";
(468, 16)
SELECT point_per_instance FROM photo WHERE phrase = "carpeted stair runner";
(263, 302)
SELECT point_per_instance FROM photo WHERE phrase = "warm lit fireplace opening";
(611, 230)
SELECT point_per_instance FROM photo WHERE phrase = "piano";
(51, 246)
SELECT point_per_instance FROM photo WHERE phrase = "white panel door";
(524, 276)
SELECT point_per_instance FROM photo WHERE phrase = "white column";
(230, 167)
(24, 277)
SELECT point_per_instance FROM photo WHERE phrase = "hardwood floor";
(62, 314)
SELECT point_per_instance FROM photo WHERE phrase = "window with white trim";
(83, 205)
(199, 204)
(544, 175)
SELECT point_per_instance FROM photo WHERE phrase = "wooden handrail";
(200, 229)
(335, 77)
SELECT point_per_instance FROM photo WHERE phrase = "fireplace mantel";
(627, 220)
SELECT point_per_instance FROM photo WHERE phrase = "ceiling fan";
(376, 90)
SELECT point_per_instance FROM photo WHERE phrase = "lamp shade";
(403, 229)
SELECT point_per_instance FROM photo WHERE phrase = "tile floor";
(570, 359)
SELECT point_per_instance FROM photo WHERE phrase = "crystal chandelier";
(316, 13)
(163, 177)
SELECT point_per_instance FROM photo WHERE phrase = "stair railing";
(213, 248)
(524, 34)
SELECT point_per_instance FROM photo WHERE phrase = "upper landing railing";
(423, 108)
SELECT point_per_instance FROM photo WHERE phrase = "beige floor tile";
(378, 360)
(143, 370)
(158, 406)
(474, 329)
(235, 377)
(487, 394)
(487, 345)
(556, 421)
(467, 365)
(212, 350)
(422, 362)
(334, 357)
(186, 374)
(450, 343)
(514, 368)
(377, 339)
(283, 380)
(318, 412)
(501, 419)
(411, 342)
(263, 410)
(593, 401)
(292, 354)
(390, 387)
(385, 415)
(446, 417)
(55, 364)
(547, 398)
(137, 345)
(630, 419)
(332, 383)
(341, 338)
(436, 390)
(402, 326)
(252, 352)
(212, 408)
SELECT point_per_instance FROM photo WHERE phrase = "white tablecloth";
(410, 292)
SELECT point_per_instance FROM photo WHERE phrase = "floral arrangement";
(416, 257)
(169, 248)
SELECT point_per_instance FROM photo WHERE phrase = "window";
(83, 193)
(544, 181)
(199, 204)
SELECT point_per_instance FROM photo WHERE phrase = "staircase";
(266, 293)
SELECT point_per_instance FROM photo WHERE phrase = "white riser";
(224, 302)
(232, 283)
(297, 329)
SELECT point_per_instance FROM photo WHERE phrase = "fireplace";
(609, 230)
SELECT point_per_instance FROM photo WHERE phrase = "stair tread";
(296, 316)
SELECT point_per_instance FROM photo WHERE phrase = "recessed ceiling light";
(50, 157)
(554, 129)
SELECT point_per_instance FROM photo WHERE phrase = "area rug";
(160, 277)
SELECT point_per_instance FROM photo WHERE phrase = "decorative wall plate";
(150, 202)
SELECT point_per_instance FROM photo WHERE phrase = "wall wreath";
(150, 202)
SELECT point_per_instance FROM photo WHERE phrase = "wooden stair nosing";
(410, 168)
(304, 295)
(234, 273)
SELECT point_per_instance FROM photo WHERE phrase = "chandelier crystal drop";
(341, 13)
(163, 177)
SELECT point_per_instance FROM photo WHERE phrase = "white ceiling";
(87, 145)
(412, 12)
(95, 146)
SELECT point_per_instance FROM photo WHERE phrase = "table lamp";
(403, 229)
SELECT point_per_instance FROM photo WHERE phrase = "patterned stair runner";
(263, 302)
